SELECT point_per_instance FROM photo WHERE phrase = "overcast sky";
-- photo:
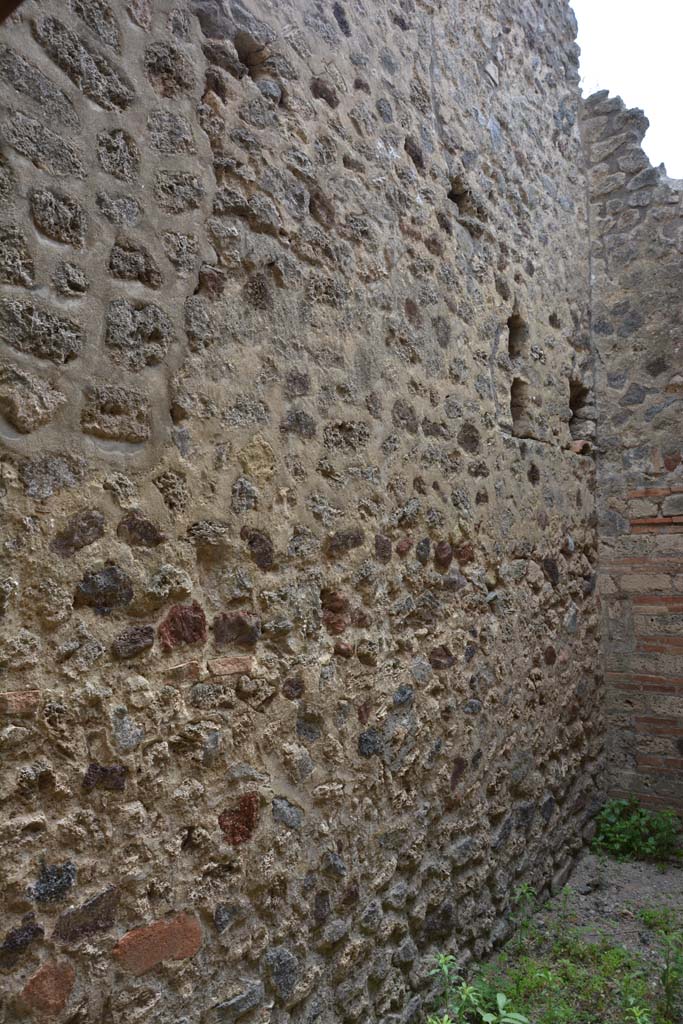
(634, 49)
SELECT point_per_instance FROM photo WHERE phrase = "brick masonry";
(637, 268)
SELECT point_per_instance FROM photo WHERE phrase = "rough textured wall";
(298, 636)
(637, 228)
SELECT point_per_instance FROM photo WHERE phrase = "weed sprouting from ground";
(628, 831)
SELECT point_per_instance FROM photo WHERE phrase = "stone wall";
(637, 228)
(298, 636)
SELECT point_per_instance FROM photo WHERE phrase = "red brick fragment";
(47, 992)
(141, 949)
(184, 624)
(20, 703)
(239, 821)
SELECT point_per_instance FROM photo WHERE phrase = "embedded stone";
(44, 148)
(82, 529)
(30, 81)
(16, 262)
(47, 992)
(131, 261)
(383, 548)
(244, 496)
(343, 541)
(443, 554)
(181, 250)
(178, 191)
(298, 422)
(140, 950)
(99, 18)
(127, 733)
(33, 330)
(370, 743)
(18, 940)
(184, 624)
(168, 69)
(138, 332)
(104, 590)
(49, 474)
(19, 651)
(90, 71)
(173, 489)
(116, 413)
(293, 688)
(441, 658)
(26, 401)
(240, 628)
(70, 280)
(170, 133)
(133, 641)
(119, 210)
(109, 777)
(240, 821)
(97, 914)
(118, 154)
(59, 216)
(261, 547)
(283, 971)
(287, 814)
(54, 882)
(138, 531)
(238, 1006)
(422, 550)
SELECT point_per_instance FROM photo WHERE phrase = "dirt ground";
(604, 897)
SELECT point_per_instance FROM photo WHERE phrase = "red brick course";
(141, 949)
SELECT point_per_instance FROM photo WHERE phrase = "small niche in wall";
(518, 336)
(579, 400)
(519, 408)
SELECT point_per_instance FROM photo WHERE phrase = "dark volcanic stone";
(118, 154)
(298, 422)
(100, 776)
(184, 624)
(293, 688)
(133, 641)
(443, 554)
(551, 570)
(54, 882)
(95, 915)
(18, 940)
(240, 628)
(382, 548)
(283, 970)
(90, 72)
(240, 821)
(138, 531)
(104, 590)
(83, 529)
(422, 549)
(260, 546)
(287, 814)
(59, 216)
(344, 541)
(370, 743)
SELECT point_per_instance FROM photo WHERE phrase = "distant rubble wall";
(299, 668)
(637, 312)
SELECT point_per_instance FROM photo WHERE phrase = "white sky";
(634, 49)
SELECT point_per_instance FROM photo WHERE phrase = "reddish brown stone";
(464, 553)
(404, 546)
(443, 554)
(139, 532)
(440, 658)
(550, 656)
(361, 618)
(47, 992)
(334, 600)
(184, 624)
(343, 541)
(293, 688)
(334, 623)
(343, 650)
(19, 703)
(141, 949)
(83, 529)
(95, 915)
(239, 821)
(240, 628)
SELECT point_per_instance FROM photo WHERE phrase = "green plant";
(671, 977)
(639, 1015)
(469, 1002)
(628, 831)
(502, 1015)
